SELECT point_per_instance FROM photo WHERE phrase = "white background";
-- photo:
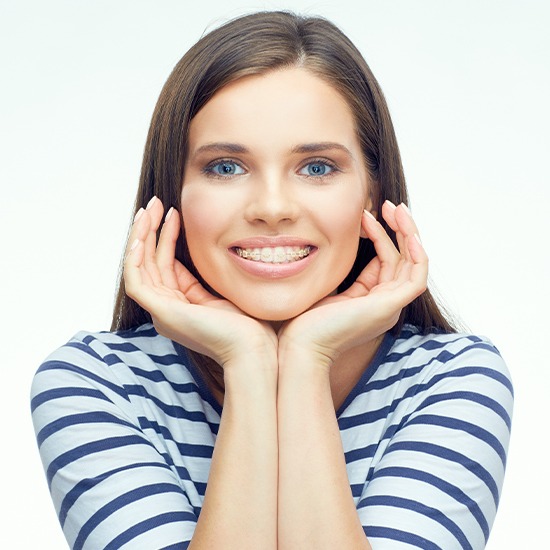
(468, 84)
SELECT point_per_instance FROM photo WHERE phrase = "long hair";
(253, 45)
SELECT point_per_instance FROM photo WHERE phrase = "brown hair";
(255, 44)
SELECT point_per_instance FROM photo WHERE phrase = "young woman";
(277, 375)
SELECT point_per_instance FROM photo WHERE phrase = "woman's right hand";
(180, 307)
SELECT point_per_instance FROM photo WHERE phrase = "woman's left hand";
(373, 303)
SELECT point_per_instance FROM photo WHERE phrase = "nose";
(272, 201)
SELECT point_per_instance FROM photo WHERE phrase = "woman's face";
(273, 192)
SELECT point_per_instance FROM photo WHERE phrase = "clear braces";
(256, 255)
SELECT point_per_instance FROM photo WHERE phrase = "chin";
(276, 308)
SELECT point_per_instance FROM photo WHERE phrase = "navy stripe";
(382, 413)
(165, 360)
(143, 331)
(360, 453)
(120, 502)
(174, 411)
(462, 425)
(419, 508)
(460, 372)
(85, 348)
(443, 452)
(89, 483)
(182, 471)
(60, 393)
(443, 357)
(369, 372)
(169, 408)
(376, 532)
(186, 449)
(435, 344)
(357, 489)
(149, 524)
(158, 376)
(483, 400)
(452, 490)
(94, 417)
(91, 448)
(126, 347)
(62, 365)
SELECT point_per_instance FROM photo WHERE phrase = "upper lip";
(270, 242)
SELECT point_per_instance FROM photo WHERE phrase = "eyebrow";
(235, 148)
(321, 146)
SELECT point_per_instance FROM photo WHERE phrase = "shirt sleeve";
(438, 483)
(110, 486)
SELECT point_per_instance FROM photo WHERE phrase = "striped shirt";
(126, 429)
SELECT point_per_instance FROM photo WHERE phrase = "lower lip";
(273, 271)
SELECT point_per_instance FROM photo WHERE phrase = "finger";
(133, 257)
(134, 276)
(385, 249)
(166, 249)
(153, 211)
(367, 280)
(390, 212)
(400, 219)
(190, 286)
(139, 230)
(413, 274)
(410, 246)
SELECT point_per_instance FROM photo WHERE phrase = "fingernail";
(390, 203)
(134, 244)
(406, 208)
(169, 214)
(150, 203)
(138, 215)
(369, 214)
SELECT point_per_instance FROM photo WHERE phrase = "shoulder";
(459, 382)
(453, 355)
(108, 362)
(442, 407)
(461, 376)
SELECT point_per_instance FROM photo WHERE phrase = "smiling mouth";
(274, 255)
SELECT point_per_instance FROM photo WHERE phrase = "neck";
(349, 367)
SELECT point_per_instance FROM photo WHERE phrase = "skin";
(291, 348)
(272, 193)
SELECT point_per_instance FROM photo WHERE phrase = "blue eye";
(317, 169)
(224, 168)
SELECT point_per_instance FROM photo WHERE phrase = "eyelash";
(333, 168)
(209, 169)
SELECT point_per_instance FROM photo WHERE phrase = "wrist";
(257, 372)
(296, 360)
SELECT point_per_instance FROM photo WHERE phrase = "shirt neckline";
(372, 367)
(203, 389)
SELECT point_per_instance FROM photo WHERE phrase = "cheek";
(197, 225)
(206, 220)
(341, 219)
(205, 217)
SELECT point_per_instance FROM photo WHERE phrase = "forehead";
(290, 104)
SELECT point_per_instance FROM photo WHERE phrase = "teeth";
(276, 255)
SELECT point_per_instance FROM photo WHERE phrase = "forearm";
(316, 508)
(240, 505)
